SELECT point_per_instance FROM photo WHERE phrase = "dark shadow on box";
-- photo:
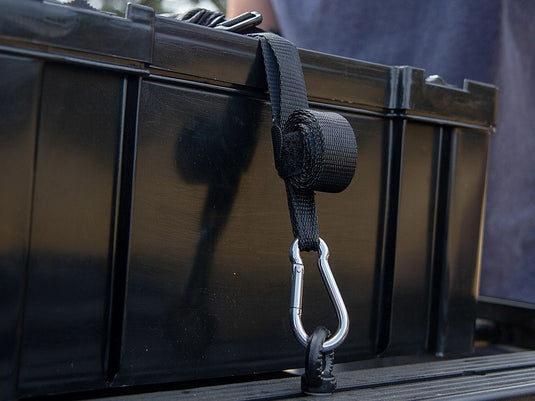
(215, 155)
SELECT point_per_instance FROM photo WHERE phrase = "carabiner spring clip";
(296, 303)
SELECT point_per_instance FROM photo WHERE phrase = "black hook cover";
(318, 378)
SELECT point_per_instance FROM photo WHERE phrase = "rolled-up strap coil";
(318, 151)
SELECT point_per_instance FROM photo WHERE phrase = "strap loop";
(313, 150)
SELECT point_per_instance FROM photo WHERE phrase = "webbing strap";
(314, 151)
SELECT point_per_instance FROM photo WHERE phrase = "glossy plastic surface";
(72, 229)
(19, 105)
(208, 271)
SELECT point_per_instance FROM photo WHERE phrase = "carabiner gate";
(296, 303)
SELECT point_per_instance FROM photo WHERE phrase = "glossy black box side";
(19, 108)
(204, 267)
(461, 241)
(415, 228)
(65, 328)
(442, 121)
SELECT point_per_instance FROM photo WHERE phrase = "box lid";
(163, 46)
(60, 26)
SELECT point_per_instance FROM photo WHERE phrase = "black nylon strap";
(314, 151)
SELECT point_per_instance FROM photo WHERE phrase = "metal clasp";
(296, 303)
(240, 23)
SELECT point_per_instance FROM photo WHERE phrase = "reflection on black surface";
(66, 298)
(214, 155)
(208, 282)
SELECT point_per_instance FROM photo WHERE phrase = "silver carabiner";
(296, 303)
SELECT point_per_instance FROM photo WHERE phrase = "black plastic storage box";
(145, 232)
